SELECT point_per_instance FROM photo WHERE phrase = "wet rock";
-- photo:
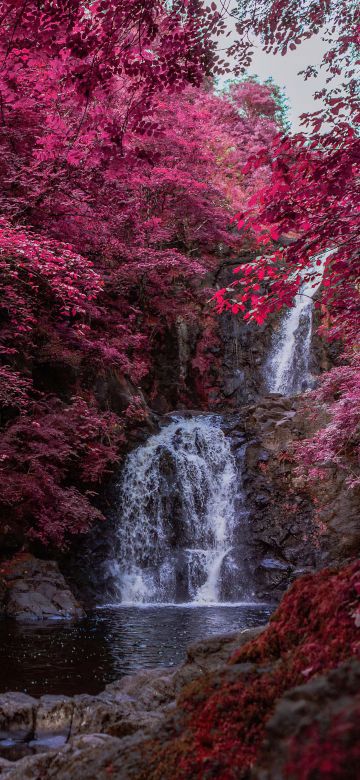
(98, 714)
(36, 590)
(150, 688)
(17, 715)
(118, 716)
(53, 717)
(211, 654)
(129, 705)
(87, 757)
(272, 575)
(262, 499)
(274, 563)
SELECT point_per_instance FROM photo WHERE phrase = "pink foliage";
(339, 442)
(43, 454)
(119, 173)
(14, 389)
(310, 204)
(309, 207)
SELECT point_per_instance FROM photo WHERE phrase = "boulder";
(36, 590)
(211, 654)
(134, 703)
(102, 714)
(149, 688)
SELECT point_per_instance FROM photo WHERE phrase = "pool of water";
(69, 658)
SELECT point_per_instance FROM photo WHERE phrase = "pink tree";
(119, 175)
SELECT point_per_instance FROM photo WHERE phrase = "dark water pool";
(69, 658)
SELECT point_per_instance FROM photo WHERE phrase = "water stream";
(287, 370)
(180, 507)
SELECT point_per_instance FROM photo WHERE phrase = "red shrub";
(224, 717)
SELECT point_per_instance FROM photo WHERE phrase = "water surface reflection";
(82, 657)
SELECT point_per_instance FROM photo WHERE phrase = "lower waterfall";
(181, 509)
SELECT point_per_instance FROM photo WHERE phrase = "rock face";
(36, 590)
(280, 539)
(338, 512)
(284, 536)
(289, 530)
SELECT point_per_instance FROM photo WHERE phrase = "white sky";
(284, 71)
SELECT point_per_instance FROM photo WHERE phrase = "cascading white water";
(178, 495)
(287, 371)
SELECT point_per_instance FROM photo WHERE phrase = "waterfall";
(287, 369)
(179, 500)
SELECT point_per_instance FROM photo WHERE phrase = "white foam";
(184, 605)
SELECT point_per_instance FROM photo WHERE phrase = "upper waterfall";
(178, 503)
(287, 370)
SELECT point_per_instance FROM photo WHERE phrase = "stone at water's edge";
(33, 589)
(209, 655)
(17, 714)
